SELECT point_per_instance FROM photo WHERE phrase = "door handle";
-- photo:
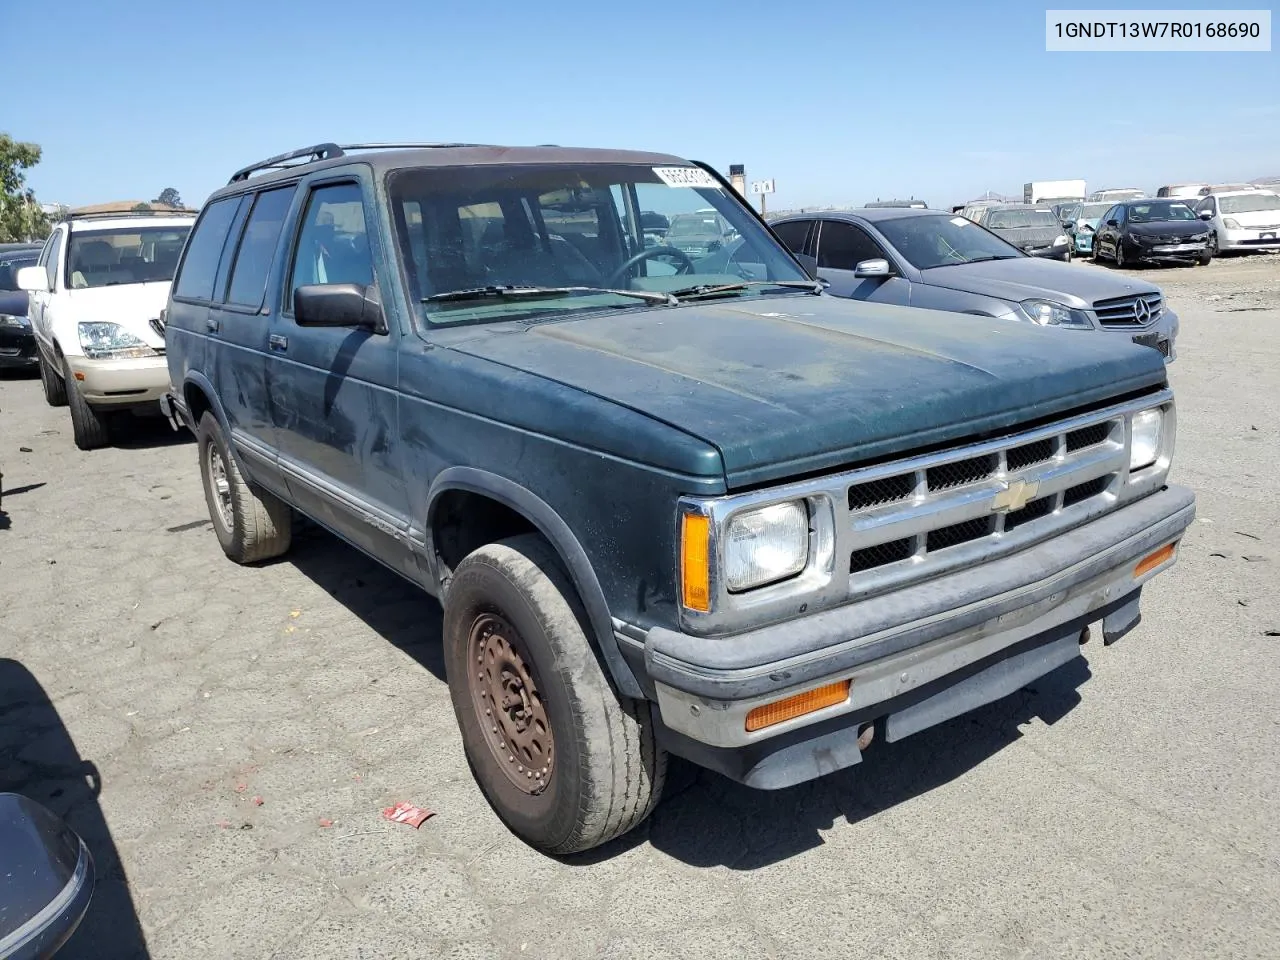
(212, 324)
(278, 342)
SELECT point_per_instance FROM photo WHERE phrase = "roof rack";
(117, 214)
(329, 151)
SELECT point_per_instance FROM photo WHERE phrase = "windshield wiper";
(507, 291)
(704, 290)
(956, 263)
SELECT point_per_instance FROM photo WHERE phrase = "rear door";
(841, 247)
(334, 388)
(795, 234)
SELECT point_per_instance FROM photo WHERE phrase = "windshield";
(692, 225)
(939, 241)
(1159, 210)
(1253, 203)
(9, 267)
(1021, 219)
(1091, 211)
(105, 258)
(484, 229)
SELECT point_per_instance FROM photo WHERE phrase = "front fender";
(558, 534)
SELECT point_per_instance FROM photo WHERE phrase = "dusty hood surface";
(787, 385)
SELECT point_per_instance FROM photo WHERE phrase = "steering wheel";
(650, 253)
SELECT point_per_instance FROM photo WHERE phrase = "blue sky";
(840, 102)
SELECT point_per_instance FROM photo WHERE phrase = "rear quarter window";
(204, 250)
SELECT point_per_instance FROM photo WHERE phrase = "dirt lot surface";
(225, 738)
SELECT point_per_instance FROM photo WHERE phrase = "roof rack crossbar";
(320, 151)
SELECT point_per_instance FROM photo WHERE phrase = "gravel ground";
(225, 739)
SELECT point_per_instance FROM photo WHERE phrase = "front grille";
(881, 554)
(961, 472)
(961, 506)
(1124, 311)
(877, 492)
(958, 533)
(1088, 437)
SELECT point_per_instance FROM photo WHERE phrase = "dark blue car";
(17, 342)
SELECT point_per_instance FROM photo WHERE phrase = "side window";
(54, 251)
(1121, 212)
(258, 246)
(204, 249)
(793, 234)
(1207, 203)
(333, 244)
(842, 246)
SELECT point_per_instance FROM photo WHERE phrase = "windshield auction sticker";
(685, 177)
(1243, 31)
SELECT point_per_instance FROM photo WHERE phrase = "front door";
(841, 247)
(334, 396)
(38, 309)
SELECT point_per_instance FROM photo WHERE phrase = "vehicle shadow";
(714, 821)
(13, 373)
(39, 760)
(131, 432)
(399, 612)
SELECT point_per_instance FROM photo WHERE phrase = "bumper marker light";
(808, 702)
(1153, 560)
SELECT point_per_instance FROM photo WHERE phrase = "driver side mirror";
(1206, 214)
(809, 263)
(339, 305)
(1113, 223)
(33, 280)
(1068, 224)
(868, 269)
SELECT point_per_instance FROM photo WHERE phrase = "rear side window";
(204, 249)
(258, 246)
(792, 234)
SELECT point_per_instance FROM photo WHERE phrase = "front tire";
(89, 425)
(1118, 250)
(55, 388)
(564, 761)
(251, 524)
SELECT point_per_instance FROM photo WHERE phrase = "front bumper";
(17, 348)
(1256, 239)
(1084, 242)
(1161, 335)
(1174, 251)
(134, 381)
(915, 657)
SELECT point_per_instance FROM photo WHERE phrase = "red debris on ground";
(404, 812)
(258, 801)
(326, 822)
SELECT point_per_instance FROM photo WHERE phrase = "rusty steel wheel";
(509, 708)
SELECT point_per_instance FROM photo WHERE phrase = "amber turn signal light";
(695, 562)
(797, 706)
(1153, 560)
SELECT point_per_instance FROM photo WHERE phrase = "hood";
(132, 305)
(1024, 278)
(1092, 224)
(784, 386)
(13, 302)
(1029, 236)
(1167, 228)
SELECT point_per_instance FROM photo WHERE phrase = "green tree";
(20, 215)
(169, 196)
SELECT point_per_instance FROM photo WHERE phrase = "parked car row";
(674, 498)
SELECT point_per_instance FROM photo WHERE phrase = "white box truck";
(1052, 191)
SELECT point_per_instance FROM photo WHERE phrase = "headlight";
(1059, 241)
(14, 320)
(1231, 223)
(1048, 313)
(1200, 236)
(766, 545)
(101, 340)
(1144, 445)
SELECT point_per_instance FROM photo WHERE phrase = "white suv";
(1242, 220)
(98, 284)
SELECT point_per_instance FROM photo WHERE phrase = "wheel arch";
(543, 518)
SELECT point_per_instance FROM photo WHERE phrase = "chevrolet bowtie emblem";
(1015, 495)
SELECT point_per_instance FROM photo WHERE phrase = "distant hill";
(126, 206)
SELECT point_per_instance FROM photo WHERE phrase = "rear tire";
(55, 388)
(564, 761)
(251, 524)
(89, 426)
